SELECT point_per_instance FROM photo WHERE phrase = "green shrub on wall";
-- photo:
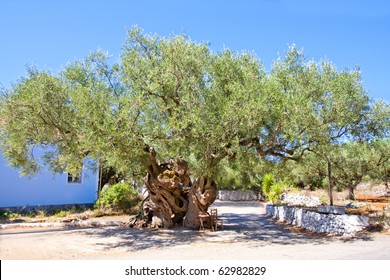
(276, 190)
(272, 189)
(120, 197)
(267, 183)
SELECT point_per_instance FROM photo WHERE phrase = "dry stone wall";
(318, 222)
(239, 195)
(301, 200)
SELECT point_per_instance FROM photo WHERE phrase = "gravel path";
(248, 234)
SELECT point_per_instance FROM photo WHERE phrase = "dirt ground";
(247, 234)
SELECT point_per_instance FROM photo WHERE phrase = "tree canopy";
(181, 99)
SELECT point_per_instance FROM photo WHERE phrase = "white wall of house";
(44, 188)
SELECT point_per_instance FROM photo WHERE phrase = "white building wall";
(44, 188)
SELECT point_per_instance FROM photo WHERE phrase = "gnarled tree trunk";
(202, 194)
(172, 198)
(167, 184)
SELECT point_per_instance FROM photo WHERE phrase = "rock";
(382, 192)
(301, 200)
(386, 211)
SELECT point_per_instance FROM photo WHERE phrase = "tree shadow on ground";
(253, 229)
(138, 239)
(262, 230)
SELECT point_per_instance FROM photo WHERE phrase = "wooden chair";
(215, 221)
(204, 220)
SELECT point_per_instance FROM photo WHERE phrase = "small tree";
(354, 161)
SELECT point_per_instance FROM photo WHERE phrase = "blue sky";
(350, 33)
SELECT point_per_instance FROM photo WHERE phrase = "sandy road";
(248, 234)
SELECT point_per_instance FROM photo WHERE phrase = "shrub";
(61, 214)
(272, 189)
(316, 183)
(324, 199)
(267, 183)
(120, 197)
(9, 215)
(276, 190)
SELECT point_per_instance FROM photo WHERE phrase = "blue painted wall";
(44, 188)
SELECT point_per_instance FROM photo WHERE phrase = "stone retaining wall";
(227, 195)
(318, 222)
(238, 195)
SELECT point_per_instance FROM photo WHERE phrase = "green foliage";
(182, 99)
(324, 200)
(240, 173)
(272, 188)
(317, 183)
(276, 190)
(310, 171)
(267, 183)
(353, 162)
(120, 196)
(61, 214)
(38, 213)
(9, 215)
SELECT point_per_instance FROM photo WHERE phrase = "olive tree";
(354, 162)
(175, 110)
